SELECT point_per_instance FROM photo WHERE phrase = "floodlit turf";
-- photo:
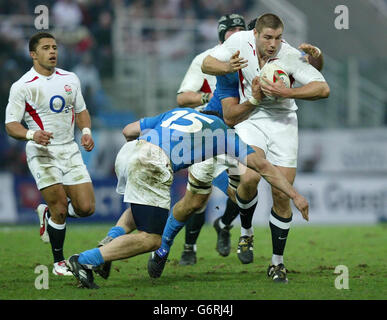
(311, 257)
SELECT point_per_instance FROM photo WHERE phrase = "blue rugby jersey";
(226, 86)
(188, 136)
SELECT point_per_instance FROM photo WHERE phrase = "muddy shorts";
(144, 174)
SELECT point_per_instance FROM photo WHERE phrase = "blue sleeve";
(227, 86)
(150, 122)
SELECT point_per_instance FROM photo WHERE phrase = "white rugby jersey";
(195, 80)
(47, 103)
(288, 58)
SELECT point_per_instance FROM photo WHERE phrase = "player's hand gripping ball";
(273, 73)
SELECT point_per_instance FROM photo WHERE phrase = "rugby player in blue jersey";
(156, 148)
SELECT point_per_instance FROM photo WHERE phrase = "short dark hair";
(268, 20)
(34, 40)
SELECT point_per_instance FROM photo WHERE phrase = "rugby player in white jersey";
(196, 90)
(272, 128)
(50, 102)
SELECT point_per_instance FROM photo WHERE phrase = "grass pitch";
(312, 254)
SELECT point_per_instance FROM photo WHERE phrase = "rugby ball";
(268, 72)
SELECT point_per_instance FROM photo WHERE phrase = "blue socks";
(171, 229)
(91, 257)
(116, 232)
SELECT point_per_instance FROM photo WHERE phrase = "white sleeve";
(194, 77)
(302, 71)
(16, 104)
(227, 48)
(79, 103)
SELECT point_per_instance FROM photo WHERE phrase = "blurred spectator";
(103, 34)
(67, 14)
(83, 29)
(90, 82)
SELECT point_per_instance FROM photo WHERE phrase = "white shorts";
(144, 174)
(56, 164)
(208, 170)
(275, 132)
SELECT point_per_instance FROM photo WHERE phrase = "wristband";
(86, 130)
(30, 135)
(205, 98)
(254, 101)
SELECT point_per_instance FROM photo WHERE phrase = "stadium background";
(132, 55)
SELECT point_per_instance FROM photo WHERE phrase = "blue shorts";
(149, 219)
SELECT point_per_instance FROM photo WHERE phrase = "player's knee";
(58, 213)
(85, 209)
(151, 241)
(197, 206)
(250, 179)
(281, 204)
(192, 203)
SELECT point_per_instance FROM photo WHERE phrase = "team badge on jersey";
(68, 89)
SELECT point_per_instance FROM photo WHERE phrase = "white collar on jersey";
(42, 76)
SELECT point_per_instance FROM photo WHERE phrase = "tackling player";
(156, 148)
(196, 90)
(50, 102)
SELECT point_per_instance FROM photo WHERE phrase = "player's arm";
(83, 121)
(234, 113)
(272, 175)
(14, 113)
(132, 131)
(192, 99)
(189, 93)
(214, 66)
(313, 55)
(225, 58)
(18, 131)
(312, 91)
(313, 83)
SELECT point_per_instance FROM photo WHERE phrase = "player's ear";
(33, 55)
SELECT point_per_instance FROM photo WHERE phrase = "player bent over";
(197, 90)
(165, 144)
(49, 100)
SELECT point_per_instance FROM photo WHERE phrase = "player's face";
(268, 41)
(46, 53)
(231, 31)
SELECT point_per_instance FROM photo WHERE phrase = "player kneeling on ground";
(156, 148)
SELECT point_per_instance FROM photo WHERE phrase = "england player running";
(201, 175)
(158, 147)
(49, 101)
(196, 90)
(272, 127)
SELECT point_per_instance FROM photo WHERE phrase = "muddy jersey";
(188, 136)
(47, 103)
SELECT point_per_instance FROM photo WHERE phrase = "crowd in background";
(83, 29)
